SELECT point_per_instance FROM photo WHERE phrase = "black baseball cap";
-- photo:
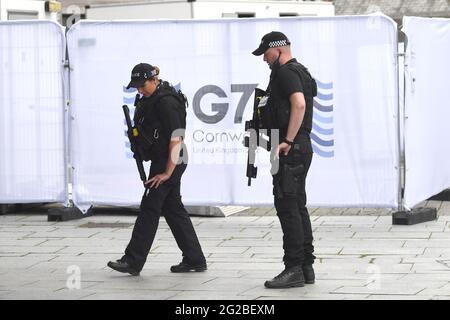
(141, 73)
(271, 40)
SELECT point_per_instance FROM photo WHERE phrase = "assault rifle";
(255, 130)
(132, 134)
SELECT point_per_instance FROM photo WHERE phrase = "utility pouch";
(290, 176)
(277, 191)
(146, 142)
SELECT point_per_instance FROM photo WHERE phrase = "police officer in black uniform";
(290, 101)
(160, 118)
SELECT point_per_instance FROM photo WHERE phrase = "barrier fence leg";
(403, 216)
(414, 216)
(67, 213)
(7, 208)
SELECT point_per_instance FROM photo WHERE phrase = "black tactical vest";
(280, 107)
(152, 140)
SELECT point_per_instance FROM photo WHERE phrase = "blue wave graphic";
(322, 108)
(325, 154)
(321, 142)
(321, 130)
(129, 90)
(325, 97)
(324, 85)
(128, 100)
(177, 86)
(322, 114)
(322, 119)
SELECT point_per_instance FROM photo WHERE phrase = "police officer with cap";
(160, 117)
(290, 100)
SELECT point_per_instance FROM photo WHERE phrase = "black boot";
(123, 266)
(308, 273)
(289, 278)
(186, 267)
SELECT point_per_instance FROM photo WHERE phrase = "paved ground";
(359, 256)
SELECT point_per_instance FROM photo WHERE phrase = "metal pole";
(403, 216)
(69, 212)
(68, 169)
(400, 134)
(400, 118)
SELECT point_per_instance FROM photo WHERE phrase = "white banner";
(32, 163)
(427, 108)
(355, 114)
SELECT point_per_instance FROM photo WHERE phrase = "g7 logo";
(221, 109)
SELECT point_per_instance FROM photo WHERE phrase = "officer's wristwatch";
(285, 140)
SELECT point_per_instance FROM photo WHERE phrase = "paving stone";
(360, 243)
(381, 251)
(254, 260)
(14, 234)
(436, 290)
(351, 275)
(430, 243)
(79, 250)
(81, 242)
(29, 249)
(20, 243)
(398, 297)
(28, 228)
(247, 243)
(45, 294)
(352, 220)
(85, 266)
(323, 287)
(119, 281)
(414, 228)
(129, 295)
(333, 235)
(392, 235)
(429, 267)
(390, 289)
(436, 251)
(74, 233)
(244, 266)
(306, 296)
(209, 295)
(440, 235)
(226, 285)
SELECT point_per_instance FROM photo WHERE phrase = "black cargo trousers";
(290, 204)
(164, 200)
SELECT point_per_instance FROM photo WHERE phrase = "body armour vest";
(279, 105)
(152, 140)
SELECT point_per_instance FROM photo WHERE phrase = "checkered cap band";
(279, 43)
